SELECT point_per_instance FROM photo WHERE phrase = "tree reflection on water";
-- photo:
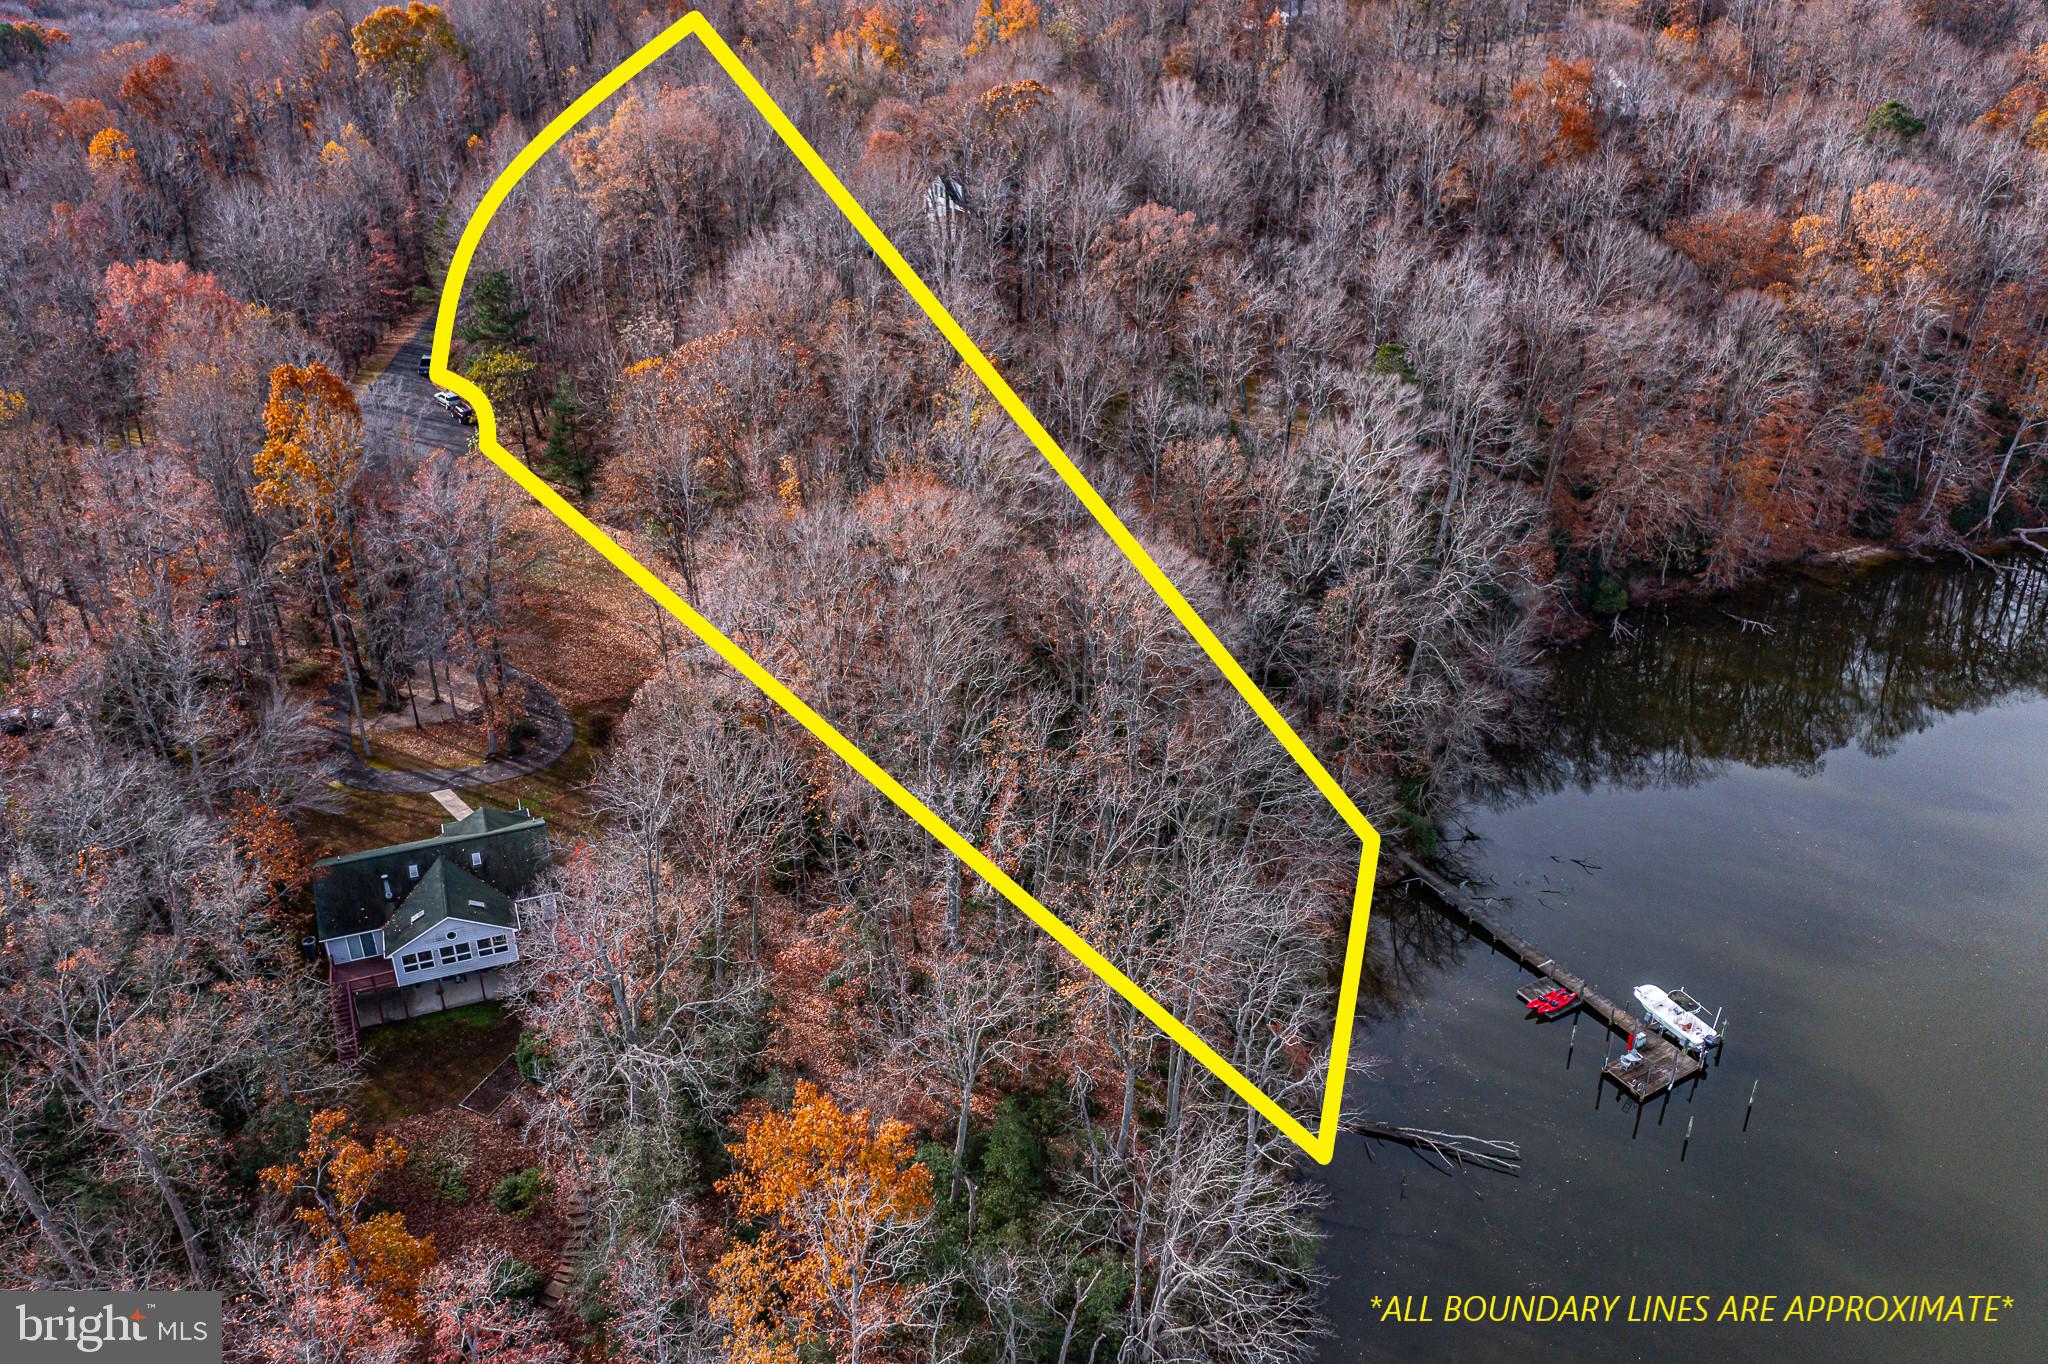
(1781, 676)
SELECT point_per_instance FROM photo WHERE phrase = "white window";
(417, 961)
(455, 952)
(354, 947)
(412, 869)
(494, 946)
(476, 859)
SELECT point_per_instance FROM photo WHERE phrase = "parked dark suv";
(456, 407)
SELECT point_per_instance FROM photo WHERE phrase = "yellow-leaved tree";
(399, 45)
(1001, 21)
(307, 467)
(336, 1175)
(842, 1208)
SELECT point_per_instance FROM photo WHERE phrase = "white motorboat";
(1678, 1016)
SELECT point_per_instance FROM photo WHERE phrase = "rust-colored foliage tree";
(661, 175)
(1554, 113)
(838, 1196)
(1738, 248)
(1149, 262)
(268, 841)
(2023, 110)
(139, 303)
(335, 1177)
(154, 87)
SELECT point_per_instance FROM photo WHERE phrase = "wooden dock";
(1664, 1064)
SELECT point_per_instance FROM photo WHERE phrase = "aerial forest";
(1409, 336)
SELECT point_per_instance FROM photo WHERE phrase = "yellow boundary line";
(1320, 1144)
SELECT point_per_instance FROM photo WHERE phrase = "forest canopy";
(1409, 336)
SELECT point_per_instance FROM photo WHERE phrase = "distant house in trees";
(946, 206)
(420, 927)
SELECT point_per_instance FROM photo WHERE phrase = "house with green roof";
(424, 926)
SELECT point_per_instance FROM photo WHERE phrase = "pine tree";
(494, 313)
(568, 455)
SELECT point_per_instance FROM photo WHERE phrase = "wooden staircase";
(344, 983)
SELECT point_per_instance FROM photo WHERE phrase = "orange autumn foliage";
(1554, 113)
(827, 1184)
(262, 834)
(399, 44)
(870, 32)
(1739, 248)
(153, 87)
(142, 304)
(2024, 108)
(338, 1175)
(1897, 238)
(110, 152)
(41, 114)
(1001, 21)
(313, 437)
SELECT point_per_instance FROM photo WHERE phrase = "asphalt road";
(401, 420)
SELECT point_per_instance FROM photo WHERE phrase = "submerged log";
(1452, 1148)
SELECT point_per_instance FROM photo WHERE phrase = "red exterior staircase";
(345, 981)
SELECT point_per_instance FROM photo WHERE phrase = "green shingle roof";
(350, 891)
(486, 820)
(446, 892)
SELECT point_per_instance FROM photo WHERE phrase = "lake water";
(1824, 807)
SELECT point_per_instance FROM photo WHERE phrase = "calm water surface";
(1822, 807)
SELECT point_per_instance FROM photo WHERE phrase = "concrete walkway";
(455, 805)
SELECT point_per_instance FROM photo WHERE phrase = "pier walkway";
(1664, 1064)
